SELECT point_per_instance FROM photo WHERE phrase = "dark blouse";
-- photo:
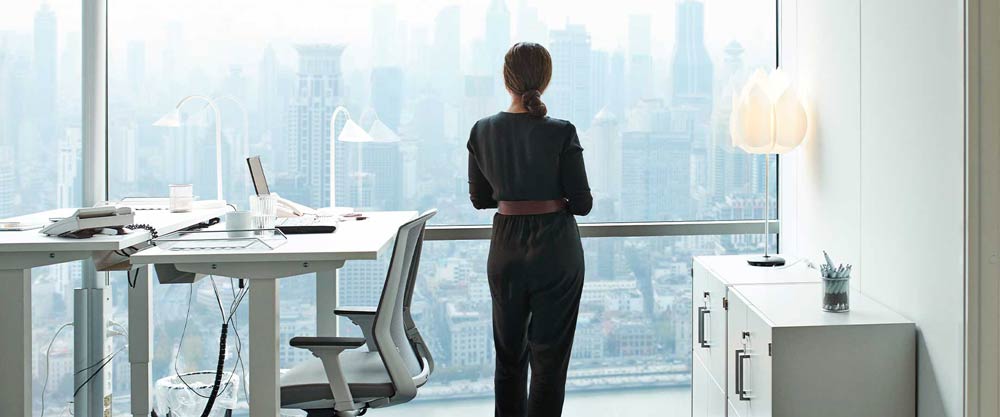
(519, 157)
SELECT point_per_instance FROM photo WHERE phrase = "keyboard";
(306, 224)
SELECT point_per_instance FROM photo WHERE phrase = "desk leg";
(264, 383)
(140, 338)
(326, 302)
(15, 345)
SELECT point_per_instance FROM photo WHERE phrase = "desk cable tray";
(200, 240)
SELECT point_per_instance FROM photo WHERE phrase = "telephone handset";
(289, 208)
(91, 218)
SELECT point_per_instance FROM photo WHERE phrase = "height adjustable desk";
(301, 254)
(24, 250)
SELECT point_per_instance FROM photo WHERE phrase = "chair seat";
(306, 383)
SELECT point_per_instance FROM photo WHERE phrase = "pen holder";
(836, 294)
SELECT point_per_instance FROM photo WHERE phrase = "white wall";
(881, 182)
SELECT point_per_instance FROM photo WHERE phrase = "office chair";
(343, 382)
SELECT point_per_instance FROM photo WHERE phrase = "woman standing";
(530, 167)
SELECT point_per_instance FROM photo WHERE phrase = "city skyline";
(654, 144)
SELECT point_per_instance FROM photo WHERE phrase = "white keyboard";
(305, 220)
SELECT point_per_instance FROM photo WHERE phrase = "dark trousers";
(535, 271)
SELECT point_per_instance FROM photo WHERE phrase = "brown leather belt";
(528, 208)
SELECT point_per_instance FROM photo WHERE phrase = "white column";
(140, 341)
(15, 345)
(264, 384)
(326, 302)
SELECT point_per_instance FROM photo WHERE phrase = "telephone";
(289, 208)
(94, 218)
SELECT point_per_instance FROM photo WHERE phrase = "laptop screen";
(257, 176)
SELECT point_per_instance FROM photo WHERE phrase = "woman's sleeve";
(573, 174)
(480, 190)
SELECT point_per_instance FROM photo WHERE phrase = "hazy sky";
(212, 27)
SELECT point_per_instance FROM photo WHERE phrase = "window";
(647, 85)
(40, 146)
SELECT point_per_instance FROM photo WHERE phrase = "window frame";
(96, 143)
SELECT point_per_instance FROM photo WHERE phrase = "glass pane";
(649, 88)
(634, 321)
(40, 146)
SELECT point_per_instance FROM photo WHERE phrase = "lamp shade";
(354, 133)
(382, 133)
(768, 116)
(171, 119)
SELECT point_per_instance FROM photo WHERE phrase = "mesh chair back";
(389, 331)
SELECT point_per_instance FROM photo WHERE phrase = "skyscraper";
(44, 68)
(447, 55)
(529, 26)
(387, 94)
(692, 68)
(640, 59)
(497, 36)
(656, 168)
(135, 67)
(570, 91)
(385, 37)
(319, 92)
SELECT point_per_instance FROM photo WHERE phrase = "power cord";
(48, 351)
(217, 386)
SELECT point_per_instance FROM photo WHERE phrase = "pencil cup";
(836, 294)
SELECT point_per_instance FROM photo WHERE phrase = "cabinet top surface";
(734, 270)
(800, 305)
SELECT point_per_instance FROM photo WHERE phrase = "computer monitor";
(257, 176)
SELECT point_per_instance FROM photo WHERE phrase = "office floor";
(656, 402)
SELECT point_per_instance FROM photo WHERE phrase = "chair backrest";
(411, 327)
(389, 330)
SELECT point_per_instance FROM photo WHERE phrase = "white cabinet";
(713, 276)
(797, 360)
(782, 356)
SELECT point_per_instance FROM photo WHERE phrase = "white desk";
(301, 254)
(22, 251)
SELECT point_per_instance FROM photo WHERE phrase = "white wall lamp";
(768, 117)
(351, 132)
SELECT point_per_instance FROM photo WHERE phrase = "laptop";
(302, 224)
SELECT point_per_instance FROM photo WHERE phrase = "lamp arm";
(218, 138)
(333, 152)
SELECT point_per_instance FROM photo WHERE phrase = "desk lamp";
(173, 119)
(351, 132)
(768, 117)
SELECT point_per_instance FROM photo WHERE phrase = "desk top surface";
(354, 239)
(34, 241)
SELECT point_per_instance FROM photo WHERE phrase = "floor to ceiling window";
(40, 146)
(648, 85)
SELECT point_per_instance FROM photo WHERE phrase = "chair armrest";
(353, 311)
(363, 317)
(328, 350)
(327, 342)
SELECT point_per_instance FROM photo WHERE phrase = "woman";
(530, 167)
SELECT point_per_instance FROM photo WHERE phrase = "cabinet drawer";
(709, 322)
(708, 398)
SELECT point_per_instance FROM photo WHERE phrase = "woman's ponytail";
(532, 101)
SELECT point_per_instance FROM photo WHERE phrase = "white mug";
(239, 223)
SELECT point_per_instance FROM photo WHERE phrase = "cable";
(226, 320)
(98, 371)
(48, 350)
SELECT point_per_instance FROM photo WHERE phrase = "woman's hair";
(527, 69)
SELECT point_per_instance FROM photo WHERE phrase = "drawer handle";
(702, 311)
(740, 374)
